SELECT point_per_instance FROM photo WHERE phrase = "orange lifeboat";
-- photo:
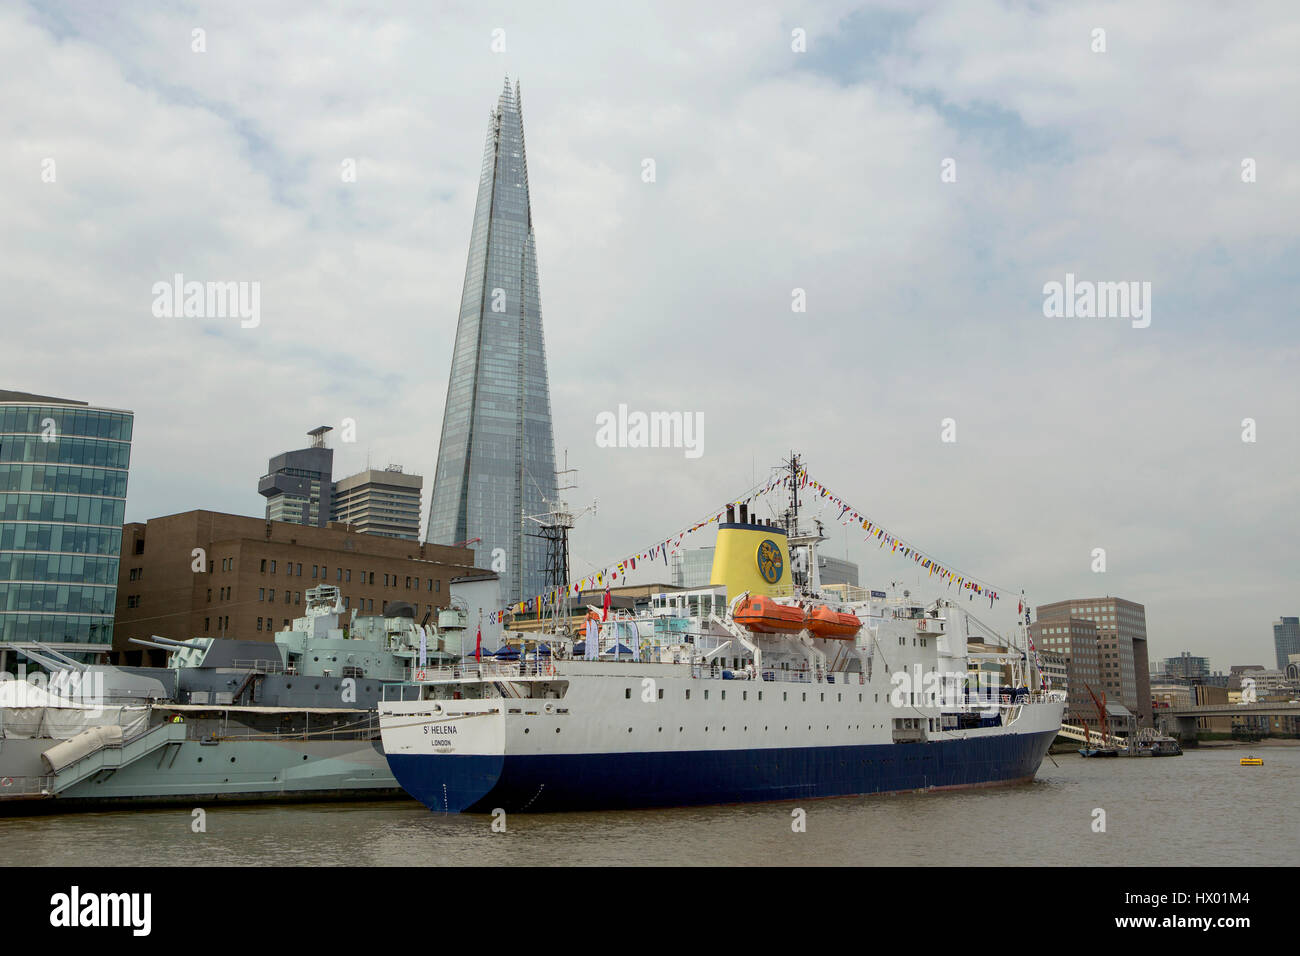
(765, 615)
(823, 622)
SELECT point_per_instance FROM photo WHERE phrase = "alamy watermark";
(626, 429)
(82, 689)
(1085, 299)
(208, 300)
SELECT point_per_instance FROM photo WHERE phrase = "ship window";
(744, 695)
(627, 693)
(785, 695)
(661, 695)
(804, 696)
(706, 695)
(688, 695)
(724, 694)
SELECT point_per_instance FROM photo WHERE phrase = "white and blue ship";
(762, 687)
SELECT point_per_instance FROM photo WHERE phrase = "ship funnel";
(753, 557)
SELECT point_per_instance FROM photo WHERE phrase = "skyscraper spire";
(496, 457)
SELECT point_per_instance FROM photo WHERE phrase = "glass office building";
(496, 457)
(63, 475)
(1286, 640)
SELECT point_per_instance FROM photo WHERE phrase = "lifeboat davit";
(823, 622)
(766, 616)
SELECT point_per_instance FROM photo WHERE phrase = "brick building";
(254, 574)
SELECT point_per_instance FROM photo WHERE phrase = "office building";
(63, 478)
(1122, 646)
(837, 571)
(386, 503)
(1286, 639)
(297, 485)
(496, 455)
(207, 574)
(692, 568)
(1185, 667)
(1074, 641)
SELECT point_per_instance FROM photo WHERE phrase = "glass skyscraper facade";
(63, 476)
(1286, 640)
(496, 457)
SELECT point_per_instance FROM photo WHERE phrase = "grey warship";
(224, 721)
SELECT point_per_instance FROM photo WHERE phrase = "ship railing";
(260, 666)
(25, 786)
(361, 729)
(472, 669)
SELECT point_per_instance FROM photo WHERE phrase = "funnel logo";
(770, 564)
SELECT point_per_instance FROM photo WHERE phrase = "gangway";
(114, 757)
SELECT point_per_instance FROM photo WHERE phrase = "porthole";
(525, 730)
(304, 756)
(232, 759)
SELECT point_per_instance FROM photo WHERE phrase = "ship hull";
(537, 783)
(192, 773)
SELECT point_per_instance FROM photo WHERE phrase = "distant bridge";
(1279, 709)
(1183, 719)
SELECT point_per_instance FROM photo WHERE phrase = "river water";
(1201, 809)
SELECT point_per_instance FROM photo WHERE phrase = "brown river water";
(1201, 809)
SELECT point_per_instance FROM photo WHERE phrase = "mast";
(796, 537)
(554, 527)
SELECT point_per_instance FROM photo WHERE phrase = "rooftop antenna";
(317, 435)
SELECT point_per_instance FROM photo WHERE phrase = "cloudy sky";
(131, 157)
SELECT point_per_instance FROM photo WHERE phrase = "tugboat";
(1148, 743)
(760, 687)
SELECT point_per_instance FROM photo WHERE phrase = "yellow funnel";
(753, 558)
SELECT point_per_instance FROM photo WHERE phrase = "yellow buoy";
(1252, 761)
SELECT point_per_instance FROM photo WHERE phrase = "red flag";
(478, 644)
(607, 602)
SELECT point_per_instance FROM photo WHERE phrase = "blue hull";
(623, 781)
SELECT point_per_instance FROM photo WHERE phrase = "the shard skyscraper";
(496, 459)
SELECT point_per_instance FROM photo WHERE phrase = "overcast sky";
(775, 170)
